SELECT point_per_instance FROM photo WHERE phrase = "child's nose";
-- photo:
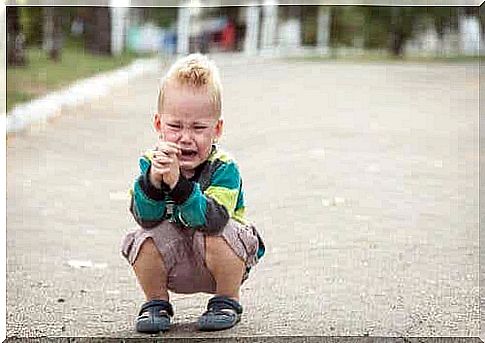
(186, 135)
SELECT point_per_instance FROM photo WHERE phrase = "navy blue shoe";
(222, 313)
(154, 316)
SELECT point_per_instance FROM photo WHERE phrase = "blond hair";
(196, 71)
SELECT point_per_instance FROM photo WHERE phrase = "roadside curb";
(41, 109)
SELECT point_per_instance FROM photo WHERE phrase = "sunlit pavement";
(363, 179)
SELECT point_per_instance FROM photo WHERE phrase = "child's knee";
(149, 253)
(148, 247)
(213, 241)
(215, 244)
(216, 247)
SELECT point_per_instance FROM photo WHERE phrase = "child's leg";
(151, 272)
(225, 266)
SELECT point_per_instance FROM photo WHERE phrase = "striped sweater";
(204, 202)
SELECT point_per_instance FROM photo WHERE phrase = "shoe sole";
(211, 324)
(150, 327)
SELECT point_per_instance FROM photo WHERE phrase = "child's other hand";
(165, 164)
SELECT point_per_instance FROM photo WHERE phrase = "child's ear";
(219, 128)
(157, 122)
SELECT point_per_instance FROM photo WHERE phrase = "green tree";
(162, 16)
(97, 25)
(53, 32)
(15, 38)
(347, 25)
(390, 27)
(444, 18)
(31, 22)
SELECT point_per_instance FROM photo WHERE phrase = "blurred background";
(44, 42)
(376, 233)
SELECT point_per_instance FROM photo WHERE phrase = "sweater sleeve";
(208, 211)
(148, 205)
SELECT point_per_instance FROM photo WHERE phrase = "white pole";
(469, 35)
(323, 29)
(183, 30)
(270, 22)
(119, 10)
(252, 30)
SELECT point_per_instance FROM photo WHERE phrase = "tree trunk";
(397, 43)
(396, 34)
(98, 30)
(333, 30)
(15, 38)
(53, 32)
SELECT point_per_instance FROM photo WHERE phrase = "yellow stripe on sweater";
(223, 196)
(239, 215)
(220, 155)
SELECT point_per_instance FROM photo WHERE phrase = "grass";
(42, 75)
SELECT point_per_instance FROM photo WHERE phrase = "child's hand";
(165, 164)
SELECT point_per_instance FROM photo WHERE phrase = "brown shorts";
(183, 251)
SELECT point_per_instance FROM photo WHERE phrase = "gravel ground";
(363, 180)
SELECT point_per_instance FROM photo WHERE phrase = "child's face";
(188, 119)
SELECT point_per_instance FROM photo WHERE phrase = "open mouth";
(188, 153)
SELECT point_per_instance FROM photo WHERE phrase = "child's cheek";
(170, 137)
